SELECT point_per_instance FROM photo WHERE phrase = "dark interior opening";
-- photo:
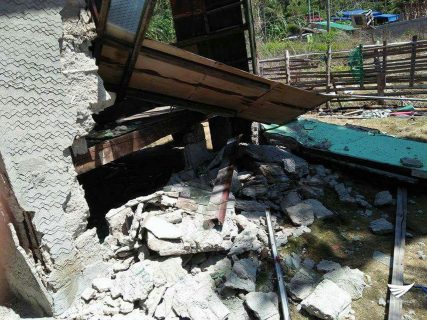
(138, 174)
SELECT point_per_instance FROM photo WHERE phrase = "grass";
(318, 43)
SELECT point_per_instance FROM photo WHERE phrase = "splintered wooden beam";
(395, 307)
(113, 149)
(218, 201)
(186, 79)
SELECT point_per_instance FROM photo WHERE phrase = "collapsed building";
(81, 87)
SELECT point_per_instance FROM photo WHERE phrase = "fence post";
(288, 67)
(378, 69)
(413, 60)
(328, 72)
(384, 84)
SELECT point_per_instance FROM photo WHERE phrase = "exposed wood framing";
(113, 149)
(247, 4)
(164, 70)
(395, 307)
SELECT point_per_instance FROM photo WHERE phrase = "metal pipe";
(328, 11)
(279, 273)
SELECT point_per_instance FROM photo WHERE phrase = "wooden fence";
(395, 69)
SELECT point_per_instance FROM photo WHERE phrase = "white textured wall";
(48, 90)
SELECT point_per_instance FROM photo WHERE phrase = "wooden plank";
(413, 60)
(163, 70)
(113, 149)
(218, 201)
(395, 307)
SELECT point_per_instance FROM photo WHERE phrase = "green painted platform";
(367, 146)
(334, 25)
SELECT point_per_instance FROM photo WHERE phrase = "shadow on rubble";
(138, 174)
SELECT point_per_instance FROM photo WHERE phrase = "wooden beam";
(395, 307)
(163, 70)
(218, 201)
(113, 149)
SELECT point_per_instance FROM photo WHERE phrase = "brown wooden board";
(113, 149)
(162, 69)
(395, 307)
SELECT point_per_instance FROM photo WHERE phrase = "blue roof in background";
(350, 13)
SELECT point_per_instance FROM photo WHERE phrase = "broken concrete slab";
(290, 199)
(383, 198)
(265, 306)
(303, 284)
(102, 284)
(350, 280)
(243, 275)
(161, 228)
(250, 205)
(237, 309)
(381, 226)
(193, 298)
(301, 214)
(246, 240)
(320, 211)
(327, 301)
(136, 283)
(194, 239)
(117, 220)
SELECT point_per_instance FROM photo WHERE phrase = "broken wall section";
(49, 88)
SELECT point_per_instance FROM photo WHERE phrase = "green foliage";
(161, 26)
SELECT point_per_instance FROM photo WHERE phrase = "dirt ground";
(347, 239)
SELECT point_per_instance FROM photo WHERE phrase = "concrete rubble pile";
(167, 260)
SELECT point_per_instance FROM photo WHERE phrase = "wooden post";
(328, 72)
(247, 4)
(288, 67)
(413, 60)
(378, 69)
(384, 64)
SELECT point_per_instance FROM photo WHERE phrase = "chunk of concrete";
(303, 284)
(327, 266)
(327, 301)
(102, 284)
(350, 280)
(290, 199)
(383, 198)
(194, 298)
(161, 228)
(381, 257)
(246, 240)
(88, 294)
(243, 276)
(237, 309)
(117, 221)
(381, 226)
(320, 211)
(301, 214)
(265, 306)
(250, 205)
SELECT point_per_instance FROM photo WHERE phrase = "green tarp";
(353, 142)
